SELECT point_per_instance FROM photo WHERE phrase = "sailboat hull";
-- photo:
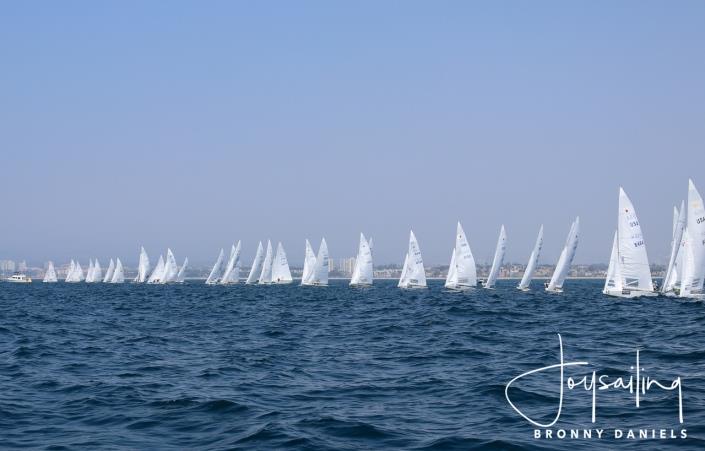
(459, 288)
(629, 294)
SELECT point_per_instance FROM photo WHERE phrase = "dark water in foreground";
(184, 367)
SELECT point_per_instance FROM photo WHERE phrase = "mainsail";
(632, 259)
(462, 273)
(71, 270)
(265, 276)
(413, 274)
(50, 274)
(232, 270)
(533, 262)
(320, 271)
(142, 267)
(119, 274)
(566, 258)
(256, 268)
(158, 272)
(280, 267)
(309, 265)
(109, 273)
(89, 271)
(671, 279)
(498, 260)
(171, 269)
(363, 271)
(694, 259)
(97, 275)
(215, 274)
(78, 273)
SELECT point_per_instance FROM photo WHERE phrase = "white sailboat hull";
(629, 294)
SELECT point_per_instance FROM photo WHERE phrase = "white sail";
(415, 274)
(109, 272)
(363, 272)
(613, 282)
(533, 262)
(256, 268)
(566, 258)
(464, 261)
(157, 273)
(142, 267)
(498, 260)
(89, 271)
(309, 265)
(632, 258)
(215, 273)
(171, 269)
(280, 267)
(119, 274)
(404, 272)
(369, 243)
(452, 277)
(181, 276)
(694, 270)
(232, 270)
(671, 278)
(50, 274)
(322, 266)
(265, 276)
(97, 275)
(69, 273)
(78, 275)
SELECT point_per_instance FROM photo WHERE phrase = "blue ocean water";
(287, 367)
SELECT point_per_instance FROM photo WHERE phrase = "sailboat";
(628, 275)
(215, 273)
(75, 273)
(50, 274)
(171, 269)
(694, 247)
(119, 274)
(309, 265)
(109, 272)
(158, 272)
(97, 275)
(89, 272)
(280, 267)
(265, 276)
(555, 285)
(69, 273)
(413, 274)
(232, 270)
(181, 276)
(321, 264)
(533, 263)
(671, 282)
(363, 272)
(462, 272)
(498, 259)
(142, 267)
(256, 268)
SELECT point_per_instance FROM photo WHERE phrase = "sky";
(196, 124)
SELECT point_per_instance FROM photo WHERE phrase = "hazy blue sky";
(194, 124)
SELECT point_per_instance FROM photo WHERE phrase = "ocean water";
(289, 367)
